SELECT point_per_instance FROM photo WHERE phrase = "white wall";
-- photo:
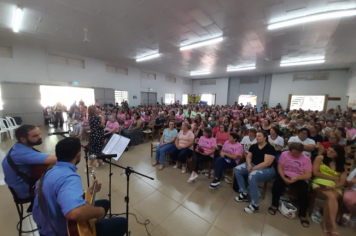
(283, 85)
(351, 88)
(220, 89)
(29, 64)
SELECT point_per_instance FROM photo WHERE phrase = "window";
(116, 70)
(185, 99)
(145, 75)
(64, 61)
(208, 98)
(171, 79)
(307, 102)
(169, 98)
(121, 96)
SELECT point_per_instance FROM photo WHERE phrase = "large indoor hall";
(177, 117)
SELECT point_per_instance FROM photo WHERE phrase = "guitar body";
(82, 228)
(38, 170)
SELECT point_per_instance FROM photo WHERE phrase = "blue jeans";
(254, 177)
(221, 164)
(161, 151)
(180, 155)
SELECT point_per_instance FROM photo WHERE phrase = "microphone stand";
(128, 171)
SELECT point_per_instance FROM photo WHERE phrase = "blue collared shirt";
(62, 189)
(23, 157)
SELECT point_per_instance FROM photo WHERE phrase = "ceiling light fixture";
(200, 44)
(206, 72)
(314, 17)
(17, 19)
(148, 57)
(299, 63)
(240, 68)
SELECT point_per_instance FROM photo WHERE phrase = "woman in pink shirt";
(230, 156)
(111, 127)
(180, 118)
(216, 128)
(203, 153)
(294, 168)
(146, 118)
(222, 136)
(127, 121)
(120, 116)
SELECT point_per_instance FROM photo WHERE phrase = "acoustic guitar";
(84, 228)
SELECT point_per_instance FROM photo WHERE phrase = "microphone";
(60, 133)
(101, 157)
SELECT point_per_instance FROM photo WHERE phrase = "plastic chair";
(5, 125)
(12, 122)
(2, 130)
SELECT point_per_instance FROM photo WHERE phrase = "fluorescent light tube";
(17, 19)
(299, 63)
(148, 57)
(200, 72)
(200, 44)
(240, 68)
(314, 17)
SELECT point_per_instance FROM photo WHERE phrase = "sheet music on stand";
(116, 145)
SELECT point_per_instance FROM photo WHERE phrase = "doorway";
(148, 98)
(248, 99)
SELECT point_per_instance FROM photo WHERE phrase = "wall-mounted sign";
(75, 83)
(134, 97)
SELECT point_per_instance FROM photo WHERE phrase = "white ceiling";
(122, 30)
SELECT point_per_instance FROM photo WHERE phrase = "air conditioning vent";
(306, 77)
(252, 80)
(208, 82)
(170, 78)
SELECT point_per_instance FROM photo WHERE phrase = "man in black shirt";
(258, 167)
(313, 134)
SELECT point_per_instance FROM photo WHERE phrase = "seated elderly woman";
(330, 176)
(230, 156)
(112, 126)
(258, 167)
(134, 132)
(183, 147)
(204, 152)
(167, 142)
(294, 169)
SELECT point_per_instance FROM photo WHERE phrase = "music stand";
(117, 145)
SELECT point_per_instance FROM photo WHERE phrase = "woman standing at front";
(96, 137)
(183, 147)
(167, 142)
(330, 177)
(204, 152)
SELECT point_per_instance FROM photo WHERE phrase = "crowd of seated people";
(289, 147)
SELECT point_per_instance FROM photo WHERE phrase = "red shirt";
(326, 145)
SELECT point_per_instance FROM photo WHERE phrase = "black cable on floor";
(145, 223)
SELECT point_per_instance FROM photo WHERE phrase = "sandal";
(272, 211)
(305, 223)
(335, 234)
(325, 231)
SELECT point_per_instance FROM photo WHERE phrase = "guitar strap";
(42, 202)
(27, 179)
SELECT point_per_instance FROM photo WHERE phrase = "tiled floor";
(173, 206)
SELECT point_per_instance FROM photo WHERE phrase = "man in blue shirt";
(62, 197)
(24, 157)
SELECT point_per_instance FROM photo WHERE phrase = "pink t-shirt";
(180, 118)
(294, 166)
(222, 137)
(235, 149)
(127, 123)
(112, 125)
(121, 116)
(146, 118)
(185, 139)
(351, 131)
(216, 129)
(207, 144)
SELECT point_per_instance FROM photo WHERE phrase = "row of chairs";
(8, 126)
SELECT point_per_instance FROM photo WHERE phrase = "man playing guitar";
(61, 197)
(19, 161)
